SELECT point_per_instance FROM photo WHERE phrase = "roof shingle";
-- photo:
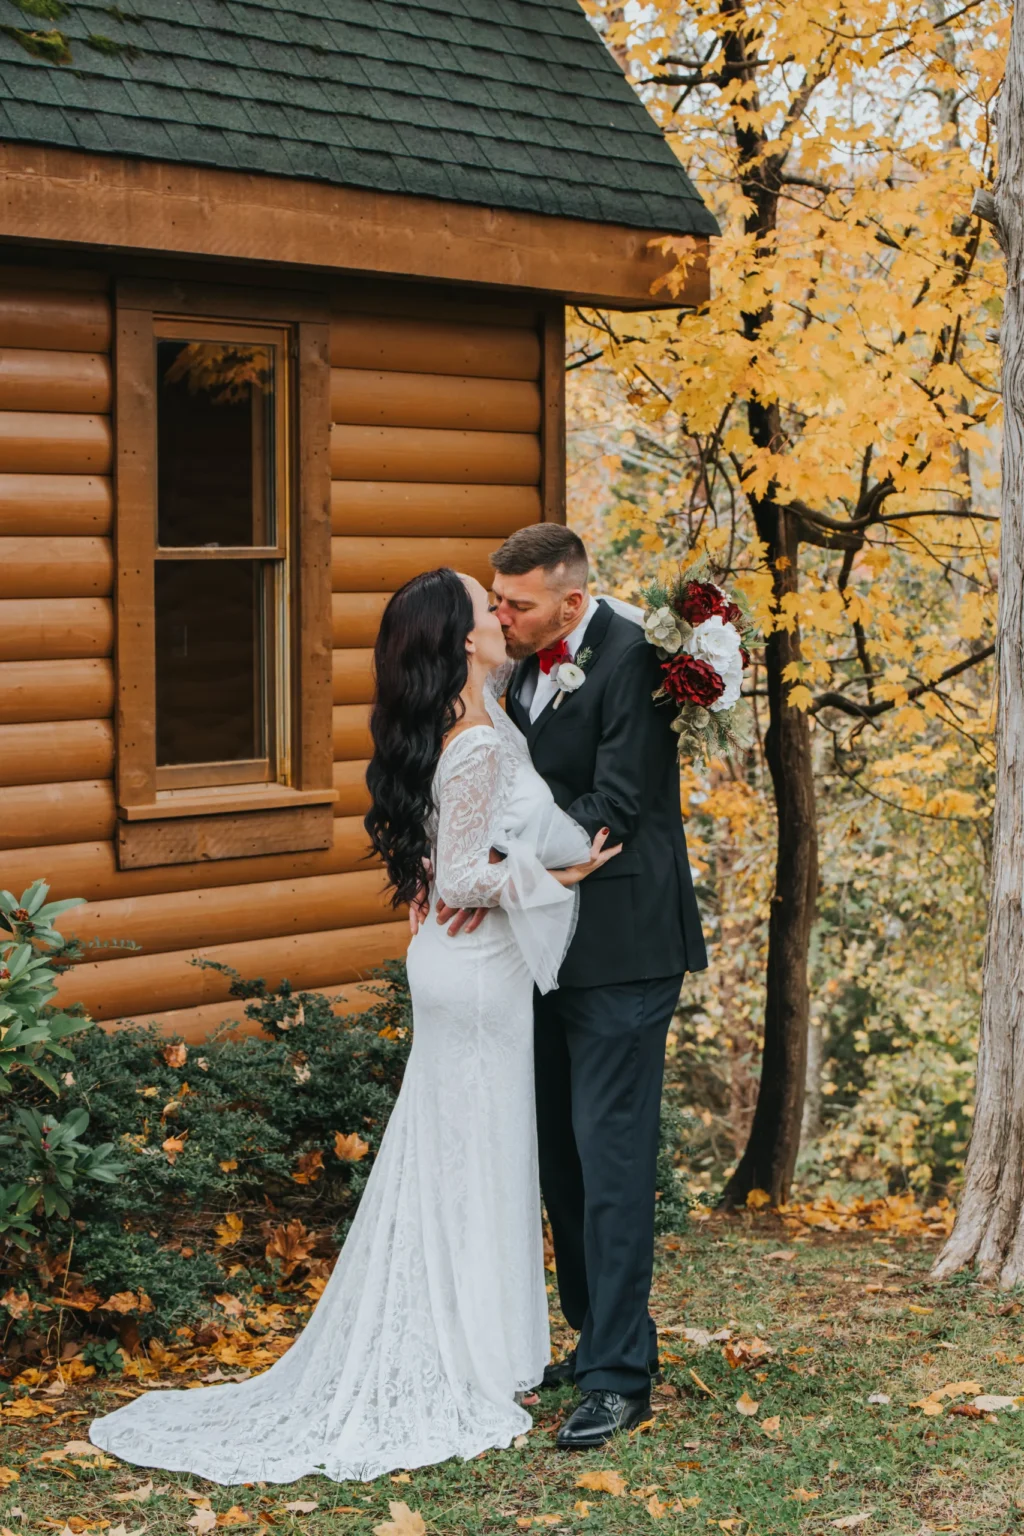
(510, 103)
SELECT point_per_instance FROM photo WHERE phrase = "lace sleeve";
(468, 793)
(541, 912)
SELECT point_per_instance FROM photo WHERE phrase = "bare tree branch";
(833, 700)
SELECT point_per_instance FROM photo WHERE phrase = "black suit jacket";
(609, 755)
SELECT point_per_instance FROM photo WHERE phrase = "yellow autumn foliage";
(855, 306)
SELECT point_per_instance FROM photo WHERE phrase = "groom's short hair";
(550, 546)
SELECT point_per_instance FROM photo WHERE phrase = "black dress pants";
(599, 1061)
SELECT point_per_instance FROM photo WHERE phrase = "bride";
(435, 1315)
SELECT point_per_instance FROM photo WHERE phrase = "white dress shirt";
(540, 688)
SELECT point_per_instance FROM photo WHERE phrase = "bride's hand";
(599, 855)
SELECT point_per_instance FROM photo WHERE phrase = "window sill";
(172, 803)
(194, 826)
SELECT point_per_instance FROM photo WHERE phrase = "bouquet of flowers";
(703, 637)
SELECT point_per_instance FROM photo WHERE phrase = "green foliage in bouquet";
(699, 669)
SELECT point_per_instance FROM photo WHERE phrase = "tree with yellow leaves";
(821, 425)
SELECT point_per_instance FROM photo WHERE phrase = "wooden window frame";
(227, 810)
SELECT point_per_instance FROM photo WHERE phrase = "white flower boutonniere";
(569, 675)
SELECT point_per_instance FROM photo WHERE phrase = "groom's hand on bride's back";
(465, 919)
(460, 919)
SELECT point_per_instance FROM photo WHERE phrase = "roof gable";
(508, 103)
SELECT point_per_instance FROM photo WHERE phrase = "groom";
(609, 756)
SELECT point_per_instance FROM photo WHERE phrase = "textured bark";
(989, 1231)
(770, 1155)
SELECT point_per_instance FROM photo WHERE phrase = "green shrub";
(234, 1128)
(239, 1162)
(45, 1154)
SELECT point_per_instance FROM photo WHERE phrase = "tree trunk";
(990, 1226)
(770, 1155)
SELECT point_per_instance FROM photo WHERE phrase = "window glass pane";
(215, 443)
(209, 660)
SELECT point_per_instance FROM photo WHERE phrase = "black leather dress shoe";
(599, 1416)
(559, 1374)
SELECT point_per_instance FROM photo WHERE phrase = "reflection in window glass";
(215, 444)
(209, 666)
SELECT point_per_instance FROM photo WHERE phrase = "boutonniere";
(569, 675)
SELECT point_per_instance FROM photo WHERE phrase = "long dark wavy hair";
(421, 669)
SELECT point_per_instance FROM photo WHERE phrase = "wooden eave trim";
(75, 199)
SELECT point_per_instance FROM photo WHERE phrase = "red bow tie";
(553, 655)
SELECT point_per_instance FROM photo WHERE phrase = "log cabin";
(282, 319)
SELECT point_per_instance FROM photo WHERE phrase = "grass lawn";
(845, 1317)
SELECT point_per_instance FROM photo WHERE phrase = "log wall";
(436, 455)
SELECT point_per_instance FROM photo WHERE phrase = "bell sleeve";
(541, 912)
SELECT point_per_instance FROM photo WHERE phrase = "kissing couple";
(540, 847)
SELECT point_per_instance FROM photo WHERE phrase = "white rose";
(661, 628)
(568, 677)
(718, 644)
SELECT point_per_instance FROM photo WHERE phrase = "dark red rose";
(701, 600)
(733, 613)
(744, 656)
(689, 680)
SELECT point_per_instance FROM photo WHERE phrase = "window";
(223, 610)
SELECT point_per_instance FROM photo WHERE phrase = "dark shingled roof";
(508, 103)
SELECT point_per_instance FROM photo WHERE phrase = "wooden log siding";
(435, 458)
(436, 453)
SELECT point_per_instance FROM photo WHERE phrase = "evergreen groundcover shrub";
(240, 1163)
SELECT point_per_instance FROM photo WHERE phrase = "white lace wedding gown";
(436, 1312)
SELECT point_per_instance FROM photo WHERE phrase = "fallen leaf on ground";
(302, 1506)
(699, 1336)
(747, 1352)
(804, 1495)
(28, 1408)
(988, 1402)
(236, 1515)
(757, 1199)
(8, 1476)
(400, 1477)
(172, 1146)
(746, 1405)
(404, 1522)
(310, 1167)
(921, 1311)
(231, 1304)
(202, 1521)
(847, 1522)
(771, 1425)
(138, 1495)
(605, 1481)
(781, 1256)
(351, 1148)
(519, 1442)
(525, 1521)
(880, 1397)
(655, 1508)
(702, 1384)
(690, 1503)
(229, 1230)
(290, 1244)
